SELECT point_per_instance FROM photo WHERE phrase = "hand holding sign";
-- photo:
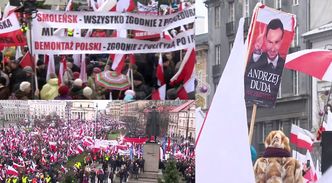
(258, 46)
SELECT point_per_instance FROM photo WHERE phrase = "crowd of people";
(40, 152)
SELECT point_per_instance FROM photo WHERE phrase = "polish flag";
(160, 93)
(16, 166)
(26, 60)
(118, 62)
(79, 149)
(50, 67)
(11, 171)
(87, 142)
(62, 69)
(188, 86)
(186, 68)
(63, 169)
(301, 138)
(69, 6)
(160, 71)
(310, 175)
(125, 6)
(18, 52)
(314, 62)
(52, 146)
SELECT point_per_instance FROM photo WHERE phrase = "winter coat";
(76, 93)
(278, 169)
(4, 92)
(50, 89)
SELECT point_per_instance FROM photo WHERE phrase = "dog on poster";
(277, 165)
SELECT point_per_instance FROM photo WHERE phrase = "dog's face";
(277, 139)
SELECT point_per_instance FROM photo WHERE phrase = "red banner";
(135, 140)
(10, 32)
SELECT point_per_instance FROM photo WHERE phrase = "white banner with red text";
(111, 20)
(114, 45)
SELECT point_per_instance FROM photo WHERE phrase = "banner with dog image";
(271, 33)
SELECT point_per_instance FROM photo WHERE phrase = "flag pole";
(252, 122)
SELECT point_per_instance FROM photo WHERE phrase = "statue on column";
(153, 124)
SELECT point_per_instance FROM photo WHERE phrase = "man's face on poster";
(273, 42)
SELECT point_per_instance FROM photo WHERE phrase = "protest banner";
(112, 20)
(271, 34)
(115, 45)
(10, 32)
(150, 9)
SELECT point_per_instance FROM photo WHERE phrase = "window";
(295, 41)
(296, 122)
(263, 132)
(278, 4)
(295, 82)
(217, 16)
(247, 8)
(217, 51)
(280, 125)
(231, 16)
(295, 2)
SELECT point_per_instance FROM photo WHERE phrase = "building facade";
(203, 89)
(182, 120)
(294, 101)
(13, 111)
(84, 110)
(114, 108)
(41, 108)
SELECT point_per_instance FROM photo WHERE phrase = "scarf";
(276, 153)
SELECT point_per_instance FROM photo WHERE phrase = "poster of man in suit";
(269, 39)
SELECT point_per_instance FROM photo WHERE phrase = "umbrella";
(112, 80)
(314, 62)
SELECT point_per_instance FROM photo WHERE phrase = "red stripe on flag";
(312, 63)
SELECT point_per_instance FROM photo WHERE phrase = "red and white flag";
(50, 67)
(69, 6)
(16, 165)
(125, 6)
(314, 62)
(188, 87)
(53, 146)
(11, 171)
(79, 149)
(63, 169)
(160, 93)
(18, 52)
(301, 138)
(26, 60)
(186, 68)
(62, 69)
(310, 171)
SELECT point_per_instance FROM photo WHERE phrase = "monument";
(151, 148)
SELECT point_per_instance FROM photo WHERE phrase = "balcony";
(230, 29)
